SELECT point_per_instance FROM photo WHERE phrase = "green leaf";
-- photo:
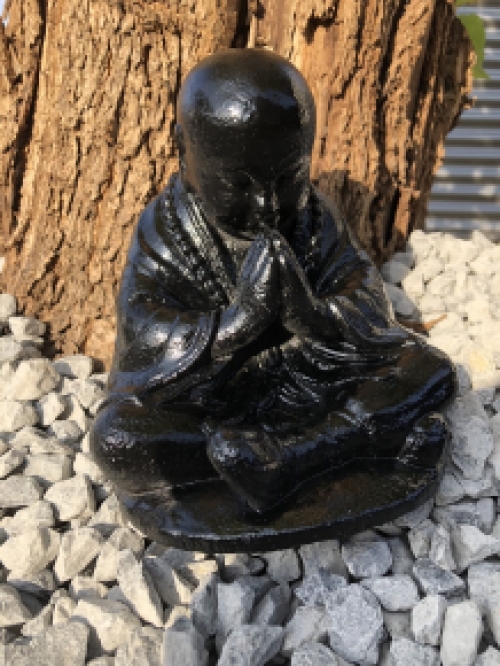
(474, 27)
(461, 3)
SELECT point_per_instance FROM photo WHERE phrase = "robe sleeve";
(350, 288)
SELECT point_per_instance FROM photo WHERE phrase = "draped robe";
(166, 391)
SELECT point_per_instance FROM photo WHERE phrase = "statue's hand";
(256, 302)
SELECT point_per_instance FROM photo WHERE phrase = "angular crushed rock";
(307, 624)
(435, 580)
(404, 652)
(395, 593)
(77, 366)
(138, 587)
(471, 545)
(427, 619)
(251, 645)
(316, 585)
(463, 628)
(78, 548)
(183, 645)
(142, 647)
(72, 497)
(33, 378)
(314, 654)
(12, 609)
(67, 641)
(15, 415)
(28, 553)
(367, 558)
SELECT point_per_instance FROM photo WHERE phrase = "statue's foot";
(265, 471)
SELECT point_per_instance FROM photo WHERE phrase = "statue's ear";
(179, 140)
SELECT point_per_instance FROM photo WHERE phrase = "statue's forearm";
(238, 327)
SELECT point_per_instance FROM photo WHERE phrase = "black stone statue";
(256, 351)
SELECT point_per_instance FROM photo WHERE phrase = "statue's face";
(245, 133)
(249, 180)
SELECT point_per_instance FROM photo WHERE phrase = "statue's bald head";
(246, 90)
(244, 111)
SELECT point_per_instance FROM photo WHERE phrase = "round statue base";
(210, 518)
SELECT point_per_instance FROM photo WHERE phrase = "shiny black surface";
(255, 345)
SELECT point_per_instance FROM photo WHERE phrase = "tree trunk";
(87, 106)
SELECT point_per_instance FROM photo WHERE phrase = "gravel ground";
(79, 585)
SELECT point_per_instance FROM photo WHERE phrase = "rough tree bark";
(87, 106)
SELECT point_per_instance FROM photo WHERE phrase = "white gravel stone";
(493, 616)
(39, 623)
(36, 515)
(48, 468)
(427, 619)
(78, 548)
(77, 366)
(29, 552)
(67, 431)
(490, 657)
(41, 584)
(71, 498)
(171, 586)
(138, 587)
(367, 558)
(471, 545)
(64, 608)
(240, 564)
(12, 609)
(87, 391)
(193, 572)
(325, 555)
(26, 326)
(433, 579)
(15, 415)
(307, 624)
(76, 414)
(395, 593)
(82, 587)
(404, 652)
(314, 654)
(10, 461)
(483, 582)
(251, 645)
(183, 645)
(413, 284)
(110, 624)
(33, 378)
(414, 518)
(142, 647)
(110, 515)
(11, 350)
(18, 490)
(8, 307)
(440, 551)
(50, 407)
(355, 624)
(106, 567)
(463, 628)
(67, 641)
(83, 464)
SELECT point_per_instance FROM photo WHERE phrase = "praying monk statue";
(255, 341)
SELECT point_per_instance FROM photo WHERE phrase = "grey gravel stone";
(402, 558)
(472, 444)
(463, 628)
(314, 654)
(471, 545)
(398, 623)
(50, 407)
(307, 624)
(204, 606)
(8, 307)
(71, 497)
(404, 652)
(235, 602)
(171, 586)
(440, 551)
(36, 515)
(355, 624)
(483, 581)
(67, 431)
(414, 518)
(323, 555)
(39, 623)
(11, 350)
(10, 462)
(26, 326)
(183, 645)
(106, 566)
(316, 585)
(41, 584)
(282, 565)
(367, 558)
(420, 538)
(395, 593)
(436, 580)
(274, 607)
(394, 271)
(67, 641)
(48, 468)
(109, 516)
(251, 645)
(18, 490)
(427, 619)
(82, 587)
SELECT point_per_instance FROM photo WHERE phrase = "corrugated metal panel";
(466, 191)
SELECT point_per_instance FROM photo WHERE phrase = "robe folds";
(180, 275)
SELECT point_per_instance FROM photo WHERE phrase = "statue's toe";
(426, 443)
(250, 463)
